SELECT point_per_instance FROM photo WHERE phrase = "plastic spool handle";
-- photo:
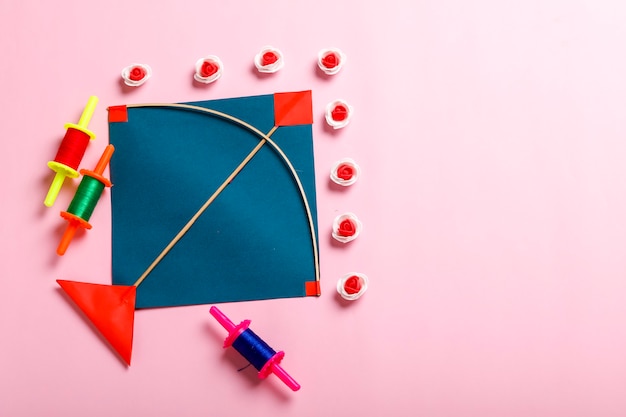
(68, 235)
(222, 319)
(285, 377)
(85, 118)
(55, 188)
(104, 159)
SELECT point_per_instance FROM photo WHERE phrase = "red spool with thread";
(72, 148)
(71, 151)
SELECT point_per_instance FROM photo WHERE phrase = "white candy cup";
(355, 176)
(342, 282)
(334, 70)
(358, 226)
(271, 68)
(214, 77)
(338, 124)
(136, 83)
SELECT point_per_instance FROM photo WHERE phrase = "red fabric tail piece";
(111, 308)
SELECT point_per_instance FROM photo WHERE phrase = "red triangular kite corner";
(293, 108)
(111, 309)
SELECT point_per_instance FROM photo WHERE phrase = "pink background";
(492, 138)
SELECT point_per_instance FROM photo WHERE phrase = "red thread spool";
(71, 151)
(72, 148)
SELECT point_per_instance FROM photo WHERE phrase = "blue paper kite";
(256, 240)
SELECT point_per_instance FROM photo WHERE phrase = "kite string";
(195, 217)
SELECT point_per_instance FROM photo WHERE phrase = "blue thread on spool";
(254, 349)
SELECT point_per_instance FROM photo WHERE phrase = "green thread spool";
(84, 202)
(86, 198)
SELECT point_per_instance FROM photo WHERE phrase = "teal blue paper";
(253, 242)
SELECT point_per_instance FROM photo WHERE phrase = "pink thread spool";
(241, 337)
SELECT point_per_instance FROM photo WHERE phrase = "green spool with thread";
(85, 200)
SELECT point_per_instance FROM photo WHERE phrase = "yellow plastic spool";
(62, 171)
